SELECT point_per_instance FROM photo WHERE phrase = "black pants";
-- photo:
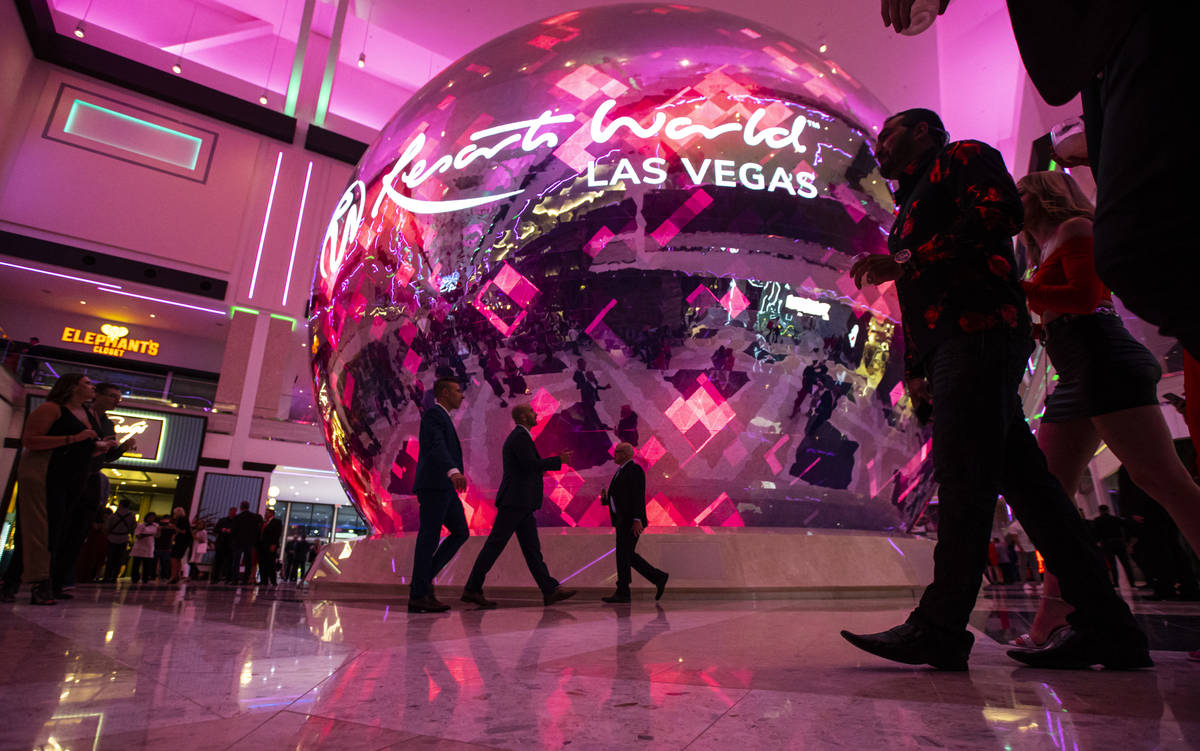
(982, 446)
(627, 558)
(222, 567)
(78, 517)
(141, 570)
(1145, 249)
(511, 521)
(116, 559)
(243, 563)
(267, 565)
(1114, 550)
(438, 508)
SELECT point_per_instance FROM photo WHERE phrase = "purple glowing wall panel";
(638, 220)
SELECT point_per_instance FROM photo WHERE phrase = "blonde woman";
(1107, 381)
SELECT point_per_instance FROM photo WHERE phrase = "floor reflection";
(235, 668)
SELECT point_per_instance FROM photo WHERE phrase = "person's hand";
(637, 528)
(898, 13)
(918, 390)
(84, 435)
(875, 269)
(566, 456)
(130, 445)
(460, 482)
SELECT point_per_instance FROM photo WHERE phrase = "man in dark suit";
(967, 341)
(268, 549)
(519, 496)
(626, 501)
(247, 529)
(438, 480)
(223, 568)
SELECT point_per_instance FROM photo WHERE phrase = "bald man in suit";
(626, 501)
(519, 496)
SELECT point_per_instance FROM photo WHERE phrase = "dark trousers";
(520, 521)
(77, 522)
(141, 570)
(1114, 550)
(116, 559)
(163, 558)
(438, 508)
(1144, 250)
(267, 565)
(982, 446)
(243, 556)
(627, 558)
(222, 567)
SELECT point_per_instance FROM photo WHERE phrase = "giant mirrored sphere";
(638, 220)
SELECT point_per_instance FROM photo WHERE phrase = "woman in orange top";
(1107, 381)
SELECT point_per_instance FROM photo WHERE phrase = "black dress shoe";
(1070, 649)
(660, 586)
(478, 599)
(426, 604)
(558, 595)
(617, 597)
(913, 645)
(62, 595)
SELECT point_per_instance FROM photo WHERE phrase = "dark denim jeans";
(438, 509)
(982, 447)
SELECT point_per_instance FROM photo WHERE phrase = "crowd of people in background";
(71, 529)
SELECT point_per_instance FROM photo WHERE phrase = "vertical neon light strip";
(287, 284)
(266, 220)
(293, 91)
(335, 47)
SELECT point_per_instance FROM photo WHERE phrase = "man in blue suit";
(520, 495)
(438, 481)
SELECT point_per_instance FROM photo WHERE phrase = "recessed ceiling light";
(153, 316)
(83, 302)
(823, 48)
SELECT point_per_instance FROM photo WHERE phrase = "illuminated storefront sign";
(530, 135)
(147, 431)
(111, 340)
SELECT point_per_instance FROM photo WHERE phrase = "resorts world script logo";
(412, 170)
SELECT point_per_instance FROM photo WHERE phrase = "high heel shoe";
(42, 594)
(1025, 641)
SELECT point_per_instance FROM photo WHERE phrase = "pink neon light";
(60, 276)
(296, 240)
(266, 219)
(202, 309)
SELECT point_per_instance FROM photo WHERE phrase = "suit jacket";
(521, 486)
(439, 451)
(247, 528)
(627, 495)
(1065, 43)
(271, 533)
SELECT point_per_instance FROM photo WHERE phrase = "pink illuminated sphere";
(637, 219)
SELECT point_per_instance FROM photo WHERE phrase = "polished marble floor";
(199, 668)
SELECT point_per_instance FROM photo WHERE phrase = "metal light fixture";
(79, 30)
(263, 98)
(177, 68)
(362, 59)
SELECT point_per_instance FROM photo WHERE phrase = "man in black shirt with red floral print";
(967, 341)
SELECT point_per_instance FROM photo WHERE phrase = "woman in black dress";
(59, 441)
